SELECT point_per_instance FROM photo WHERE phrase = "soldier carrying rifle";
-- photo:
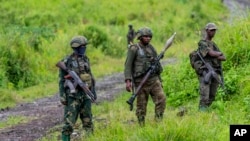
(209, 67)
(142, 70)
(76, 88)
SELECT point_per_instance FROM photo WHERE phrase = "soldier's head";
(130, 26)
(144, 34)
(78, 44)
(210, 30)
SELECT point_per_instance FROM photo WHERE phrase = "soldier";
(210, 52)
(131, 35)
(75, 102)
(139, 58)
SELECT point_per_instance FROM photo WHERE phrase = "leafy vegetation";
(35, 35)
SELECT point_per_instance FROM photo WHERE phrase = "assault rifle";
(150, 71)
(77, 80)
(211, 73)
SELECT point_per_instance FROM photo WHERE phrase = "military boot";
(65, 137)
(158, 117)
(141, 120)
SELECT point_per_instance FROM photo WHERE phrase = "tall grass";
(35, 35)
(114, 121)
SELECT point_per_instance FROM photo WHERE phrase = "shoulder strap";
(153, 49)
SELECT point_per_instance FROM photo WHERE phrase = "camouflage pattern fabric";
(77, 107)
(204, 47)
(154, 89)
(208, 91)
(77, 104)
(138, 61)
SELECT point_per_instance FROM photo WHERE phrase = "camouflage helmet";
(144, 31)
(211, 26)
(78, 41)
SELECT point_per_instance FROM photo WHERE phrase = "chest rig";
(143, 60)
(82, 68)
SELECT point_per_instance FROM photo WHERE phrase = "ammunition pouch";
(141, 69)
(86, 78)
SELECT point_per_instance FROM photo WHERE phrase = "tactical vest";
(81, 66)
(143, 60)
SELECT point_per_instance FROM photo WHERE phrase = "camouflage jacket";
(81, 66)
(204, 47)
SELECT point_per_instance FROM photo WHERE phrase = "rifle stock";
(150, 71)
(78, 80)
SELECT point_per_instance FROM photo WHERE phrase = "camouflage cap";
(211, 26)
(78, 41)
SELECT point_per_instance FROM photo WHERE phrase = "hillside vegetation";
(35, 35)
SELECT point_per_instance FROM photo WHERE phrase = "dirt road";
(46, 113)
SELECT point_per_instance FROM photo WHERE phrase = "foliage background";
(36, 34)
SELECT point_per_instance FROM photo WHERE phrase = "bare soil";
(47, 113)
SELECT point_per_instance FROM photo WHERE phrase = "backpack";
(193, 57)
(195, 61)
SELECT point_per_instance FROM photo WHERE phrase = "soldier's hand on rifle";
(128, 85)
(67, 76)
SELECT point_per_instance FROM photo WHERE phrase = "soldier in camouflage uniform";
(211, 54)
(139, 59)
(75, 102)
(130, 35)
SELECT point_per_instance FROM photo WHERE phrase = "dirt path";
(237, 8)
(46, 113)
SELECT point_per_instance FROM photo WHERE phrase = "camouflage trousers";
(155, 90)
(207, 92)
(77, 107)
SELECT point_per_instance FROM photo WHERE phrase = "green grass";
(36, 36)
(121, 124)
(13, 120)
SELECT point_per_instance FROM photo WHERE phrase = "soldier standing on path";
(75, 101)
(211, 54)
(139, 58)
